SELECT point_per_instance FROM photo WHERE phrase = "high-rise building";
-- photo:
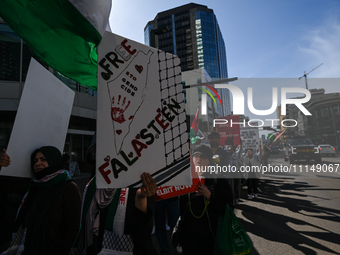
(192, 33)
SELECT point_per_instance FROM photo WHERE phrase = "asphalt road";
(296, 213)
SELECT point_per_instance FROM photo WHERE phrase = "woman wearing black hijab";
(48, 218)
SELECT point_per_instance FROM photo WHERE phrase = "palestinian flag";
(195, 133)
(279, 135)
(65, 34)
(271, 137)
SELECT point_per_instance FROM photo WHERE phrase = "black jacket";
(198, 234)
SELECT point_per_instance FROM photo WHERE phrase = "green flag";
(65, 34)
(271, 137)
(195, 133)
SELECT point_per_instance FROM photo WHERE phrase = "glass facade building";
(15, 55)
(195, 37)
(147, 32)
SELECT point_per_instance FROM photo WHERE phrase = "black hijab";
(44, 195)
(54, 160)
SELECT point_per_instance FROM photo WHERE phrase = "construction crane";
(305, 74)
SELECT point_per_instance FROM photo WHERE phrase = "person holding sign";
(12, 190)
(4, 159)
(200, 210)
(48, 218)
(116, 221)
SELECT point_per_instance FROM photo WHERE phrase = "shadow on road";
(275, 227)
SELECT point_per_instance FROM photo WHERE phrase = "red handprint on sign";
(117, 112)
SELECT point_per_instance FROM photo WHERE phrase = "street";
(296, 213)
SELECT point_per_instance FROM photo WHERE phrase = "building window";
(326, 124)
(75, 86)
(10, 51)
(324, 111)
(335, 109)
(147, 38)
(10, 48)
(317, 125)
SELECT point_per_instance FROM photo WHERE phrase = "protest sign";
(141, 121)
(230, 131)
(174, 191)
(250, 135)
(178, 190)
(42, 119)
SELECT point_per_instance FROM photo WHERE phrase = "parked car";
(274, 149)
(326, 149)
(301, 149)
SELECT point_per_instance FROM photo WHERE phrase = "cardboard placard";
(178, 190)
(42, 119)
(250, 136)
(229, 132)
(141, 121)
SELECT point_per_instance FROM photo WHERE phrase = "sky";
(263, 38)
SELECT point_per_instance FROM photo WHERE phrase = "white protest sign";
(250, 136)
(141, 120)
(42, 119)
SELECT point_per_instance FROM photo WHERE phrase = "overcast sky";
(264, 38)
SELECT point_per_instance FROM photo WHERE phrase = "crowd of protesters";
(52, 219)
(238, 157)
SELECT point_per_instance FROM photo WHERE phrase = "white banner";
(42, 119)
(250, 136)
(141, 120)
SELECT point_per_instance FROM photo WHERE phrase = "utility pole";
(305, 74)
